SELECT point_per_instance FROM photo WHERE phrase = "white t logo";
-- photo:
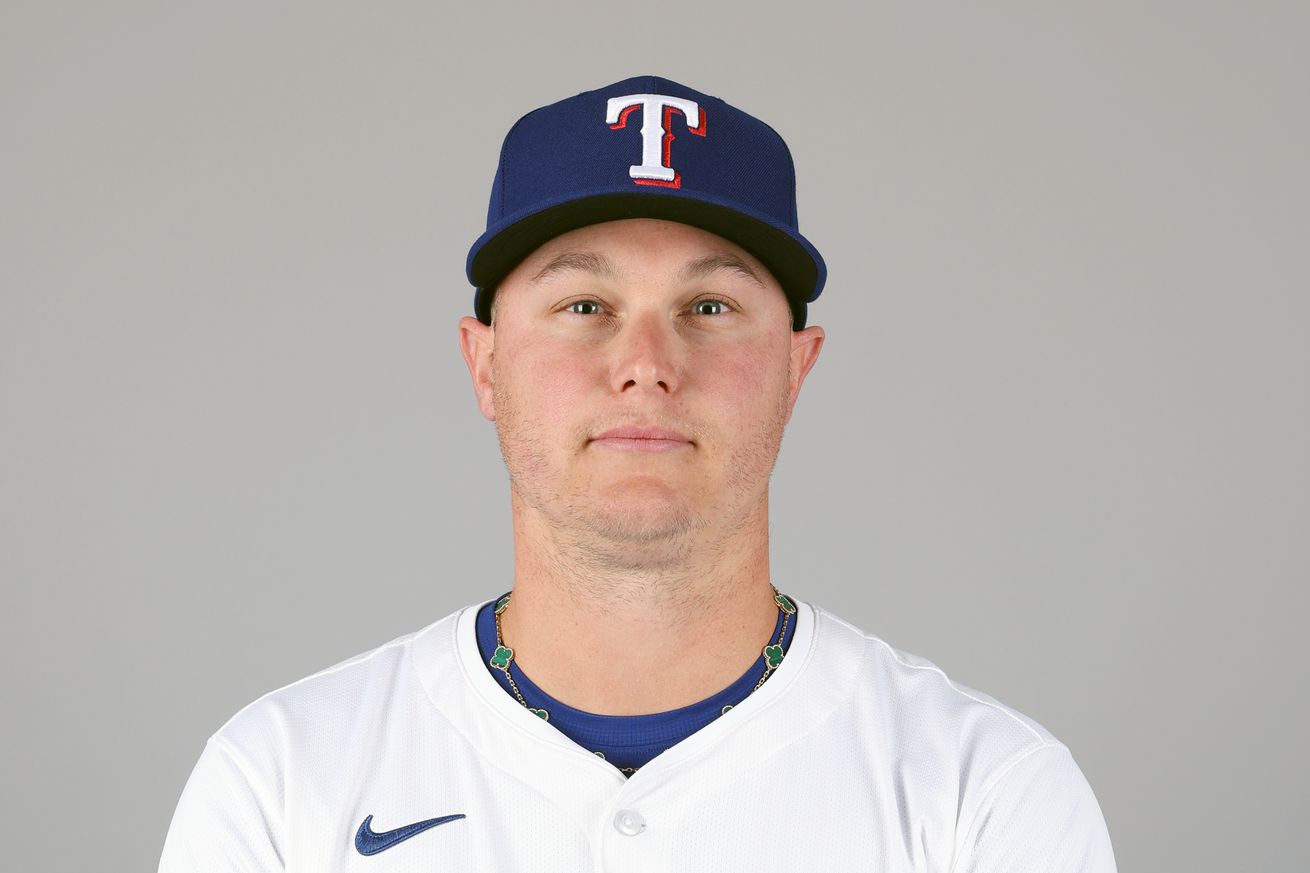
(656, 133)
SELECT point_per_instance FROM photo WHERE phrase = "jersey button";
(629, 822)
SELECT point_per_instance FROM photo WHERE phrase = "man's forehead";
(607, 268)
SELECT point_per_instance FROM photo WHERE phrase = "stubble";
(632, 532)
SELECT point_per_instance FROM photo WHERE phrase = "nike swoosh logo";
(370, 843)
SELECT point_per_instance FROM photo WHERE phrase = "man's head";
(646, 349)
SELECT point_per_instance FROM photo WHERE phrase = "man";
(644, 698)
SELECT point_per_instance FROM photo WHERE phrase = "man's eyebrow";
(702, 267)
(587, 262)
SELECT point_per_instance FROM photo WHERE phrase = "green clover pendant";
(540, 713)
(500, 660)
(772, 656)
(501, 604)
(785, 604)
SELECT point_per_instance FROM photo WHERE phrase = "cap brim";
(791, 259)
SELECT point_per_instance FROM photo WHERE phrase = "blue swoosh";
(370, 843)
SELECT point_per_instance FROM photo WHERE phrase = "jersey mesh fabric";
(852, 756)
(623, 740)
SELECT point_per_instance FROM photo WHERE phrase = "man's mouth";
(639, 438)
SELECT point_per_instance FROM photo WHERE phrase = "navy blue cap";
(645, 148)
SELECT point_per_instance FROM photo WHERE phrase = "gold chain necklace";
(773, 654)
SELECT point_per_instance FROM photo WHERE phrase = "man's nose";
(646, 356)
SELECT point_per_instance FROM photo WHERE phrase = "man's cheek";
(556, 385)
(545, 372)
(747, 375)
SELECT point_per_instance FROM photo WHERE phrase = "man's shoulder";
(1006, 793)
(344, 697)
(922, 705)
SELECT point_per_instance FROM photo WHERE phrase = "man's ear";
(805, 345)
(476, 341)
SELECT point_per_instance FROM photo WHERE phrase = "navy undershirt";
(626, 741)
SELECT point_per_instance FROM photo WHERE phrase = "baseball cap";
(645, 147)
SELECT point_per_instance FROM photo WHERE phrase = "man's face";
(640, 373)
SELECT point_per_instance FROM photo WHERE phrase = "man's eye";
(584, 307)
(708, 307)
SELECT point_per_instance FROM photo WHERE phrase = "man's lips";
(641, 439)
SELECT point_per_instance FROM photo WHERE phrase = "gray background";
(1056, 442)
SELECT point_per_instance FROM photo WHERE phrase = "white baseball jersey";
(853, 756)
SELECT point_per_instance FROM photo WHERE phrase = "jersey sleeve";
(226, 820)
(1038, 816)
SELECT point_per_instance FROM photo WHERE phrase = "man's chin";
(642, 521)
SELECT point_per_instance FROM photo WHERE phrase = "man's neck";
(630, 637)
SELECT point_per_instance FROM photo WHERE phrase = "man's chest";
(436, 810)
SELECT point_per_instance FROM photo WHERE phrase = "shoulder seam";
(255, 785)
(996, 779)
(932, 669)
